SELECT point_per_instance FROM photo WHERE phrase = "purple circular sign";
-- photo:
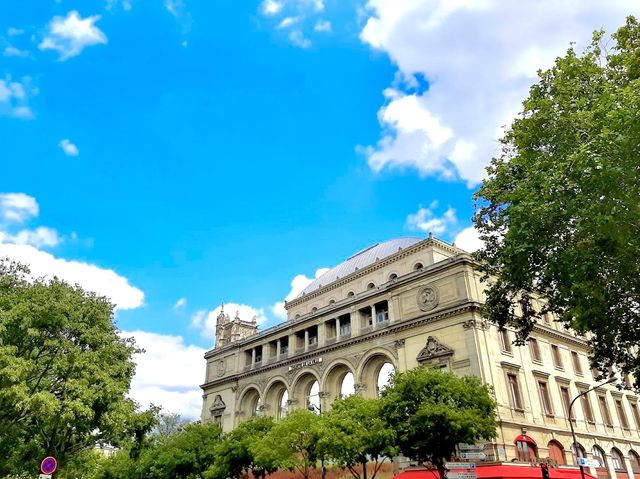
(48, 465)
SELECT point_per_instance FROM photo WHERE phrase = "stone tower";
(228, 331)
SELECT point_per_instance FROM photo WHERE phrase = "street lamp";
(312, 407)
(573, 433)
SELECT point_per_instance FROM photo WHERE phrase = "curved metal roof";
(361, 259)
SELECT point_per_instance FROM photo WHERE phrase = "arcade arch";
(273, 398)
(376, 372)
(306, 390)
(338, 381)
(250, 404)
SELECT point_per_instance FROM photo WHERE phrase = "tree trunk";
(364, 469)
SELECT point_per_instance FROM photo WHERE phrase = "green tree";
(292, 443)
(355, 433)
(432, 411)
(64, 371)
(235, 455)
(559, 210)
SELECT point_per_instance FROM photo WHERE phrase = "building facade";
(413, 301)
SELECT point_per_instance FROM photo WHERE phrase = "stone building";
(412, 301)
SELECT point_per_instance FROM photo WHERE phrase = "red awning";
(501, 471)
(525, 438)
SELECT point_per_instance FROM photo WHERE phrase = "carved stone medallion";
(221, 367)
(428, 298)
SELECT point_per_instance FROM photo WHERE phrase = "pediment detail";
(433, 349)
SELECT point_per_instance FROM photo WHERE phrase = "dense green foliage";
(235, 455)
(559, 212)
(433, 411)
(355, 434)
(64, 372)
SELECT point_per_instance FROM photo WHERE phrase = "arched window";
(418, 267)
(526, 448)
(602, 471)
(314, 309)
(332, 301)
(556, 452)
(371, 286)
(350, 294)
(617, 460)
(634, 459)
(393, 276)
(348, 386)
(384, 376)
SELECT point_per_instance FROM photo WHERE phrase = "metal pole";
(573, 433)
(311, 407)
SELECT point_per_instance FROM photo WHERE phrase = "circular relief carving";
(428, 298)
(221, 368)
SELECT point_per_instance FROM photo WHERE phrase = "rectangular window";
(604, 410)
(545, 398)
(514, 391)
(586, 408)
(575, 359)
(557, 359)
(566, 401)
(636, 415)
(534, 348)
(622, 416)
(505, 340)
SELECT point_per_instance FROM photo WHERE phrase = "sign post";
(48, 467)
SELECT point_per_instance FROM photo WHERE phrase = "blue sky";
(179, 153)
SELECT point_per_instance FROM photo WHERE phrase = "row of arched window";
(527, 450)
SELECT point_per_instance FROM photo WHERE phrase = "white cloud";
(298, 39)
(322, 26)
(181, 303)
(426, 220)
(298, 283)
(479, 57)
(168, 373)
(11, 51)
(14, 97)
(13, 32)
(205, 321)
(469, 240)
(39, 237)
(288, 21)
(91, 277)
(18, 207)
(69, 148)
(271, 7)
(125, 4)
(71, 34)
(178, 9)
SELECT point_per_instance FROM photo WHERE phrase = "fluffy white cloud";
(479, 58)
(168, 373)
(71, 34)
(39, 237)
(11, 51)
(298, 39)
(298, 283)
(13, 32)
(125, 4)
(271, 7)
(178, 9)
(69, 148)
(91, 277)
(205, 320)
(469, 240)
(288, 21)
(322, 26)
(18, 207)
(14, 97)
(426, 220)
(181, 303)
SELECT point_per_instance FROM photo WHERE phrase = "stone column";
(253, 356)
(373, 314)
(306, 339)
(337, 328)
(355, 327)
(278, 348)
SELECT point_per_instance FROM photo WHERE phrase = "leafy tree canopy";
(64, 371)
(559, 212)
(432, 411)
(355, 433)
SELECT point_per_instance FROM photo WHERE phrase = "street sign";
(462, 475)
(44, 476)
(472, 455)
(470, 447)
(460, 465)
(588, 462)
(48, 465)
